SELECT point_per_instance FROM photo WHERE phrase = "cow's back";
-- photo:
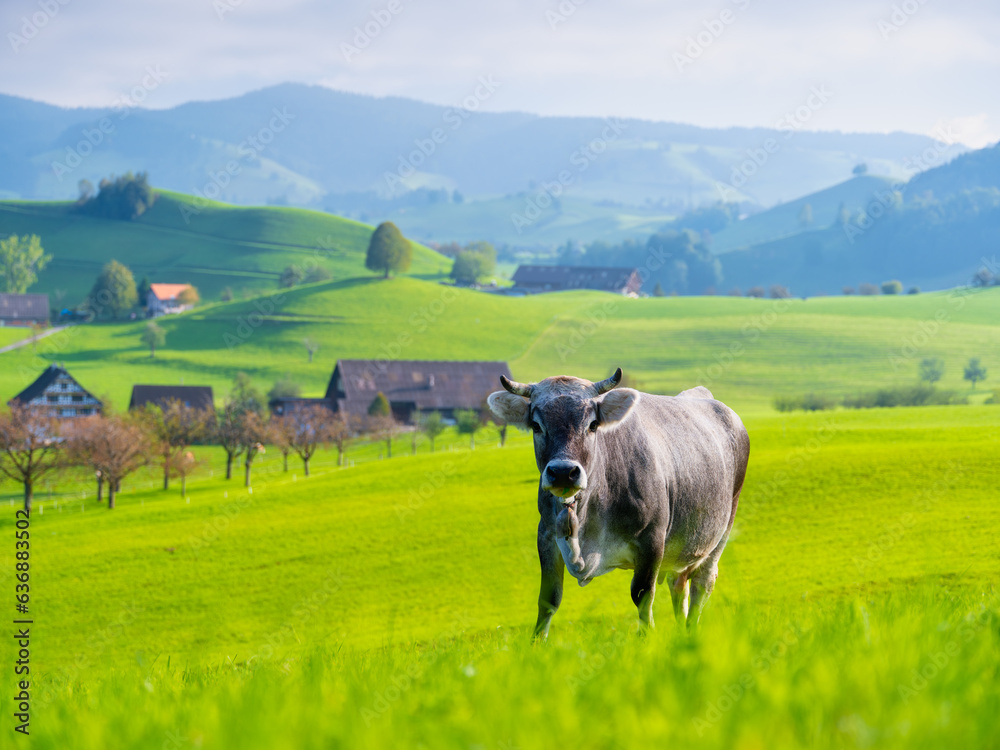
(689, 454)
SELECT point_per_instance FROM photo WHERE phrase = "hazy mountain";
(315, 147)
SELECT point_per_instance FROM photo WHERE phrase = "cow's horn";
(606, 385)
(518, 389)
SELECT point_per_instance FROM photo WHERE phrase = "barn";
(24, 309)
(412, 386)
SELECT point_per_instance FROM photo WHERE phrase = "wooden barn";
(412, 386)
(534, 279)
(24, 309)
(58, 393)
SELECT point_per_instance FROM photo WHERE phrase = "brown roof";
(196, 396)
(425, 384)
(556, 278)
(24, 307)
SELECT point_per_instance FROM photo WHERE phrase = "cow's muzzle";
(564, 478)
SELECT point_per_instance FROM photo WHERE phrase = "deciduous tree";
(114, 291)
(388, 250)
(29, 447)
(21, 258)
(154, 337)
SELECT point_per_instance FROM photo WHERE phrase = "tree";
(114, 290)
(478, 259)
(974, 372)
(379, 407)
(756, 292)
(983, 278)
(175, 427)
(780, 292)
(29, 446)
(388, 250)
(86, 188)
(867, 289)
(469, 422)
(305, 429)
(126, 197)
(227, 294)
(115, 446)
(281, 433)
(245, 396)
(142, 289)
(658, 290)
(432, 425)
(153, 336)
(291, 276)
(253, 434)
(183, 465)
(892, 287)
(21, 258)
(284, 388)
(341, 429)
(189, 296)
(806, 215)
(848, 290)
(312, 346)
(229, 434)
(860, 169)
(931, 370)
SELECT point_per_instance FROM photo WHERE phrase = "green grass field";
(185, 240)
(746, 351)
(390, 604)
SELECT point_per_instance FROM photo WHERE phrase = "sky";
(921, 66)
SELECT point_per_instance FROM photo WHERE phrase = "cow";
(645, 483)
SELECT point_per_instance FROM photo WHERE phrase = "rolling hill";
(333, 149)
(746, 351)
(186, 240)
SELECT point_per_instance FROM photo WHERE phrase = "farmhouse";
(412, 386)
(164, 299)
(193, 396)
(535, 279)
(24, 309)
(57, 392)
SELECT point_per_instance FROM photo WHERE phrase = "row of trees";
(113, 446)
(127, 197)
(932, 368)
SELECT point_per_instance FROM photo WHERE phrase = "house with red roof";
(164, 299)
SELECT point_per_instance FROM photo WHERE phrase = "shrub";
(755, 291)
(892, 287)
(995, 398)
(805, 402)
(915, 395)
(867, 289)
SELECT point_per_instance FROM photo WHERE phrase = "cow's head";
(565, 414)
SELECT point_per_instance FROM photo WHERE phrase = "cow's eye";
(535, 427)
(593, 426)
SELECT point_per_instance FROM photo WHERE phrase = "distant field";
(208, 244)
(391, 603)
(746, 351)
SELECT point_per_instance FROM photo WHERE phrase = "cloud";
(557, 57)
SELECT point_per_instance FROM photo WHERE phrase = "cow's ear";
(614, 406)
(510, 408)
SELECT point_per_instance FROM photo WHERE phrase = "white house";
(163, 299)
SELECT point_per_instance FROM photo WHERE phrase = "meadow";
(390, 604)
(747, 351)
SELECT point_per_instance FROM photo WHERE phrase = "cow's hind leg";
(703, 582)
(680, 594)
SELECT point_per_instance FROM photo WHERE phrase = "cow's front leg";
(647, 566)
(550, 595)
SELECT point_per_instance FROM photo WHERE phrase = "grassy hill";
(183, 239)
(783, 220)
(747, 351)
(385, 606)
